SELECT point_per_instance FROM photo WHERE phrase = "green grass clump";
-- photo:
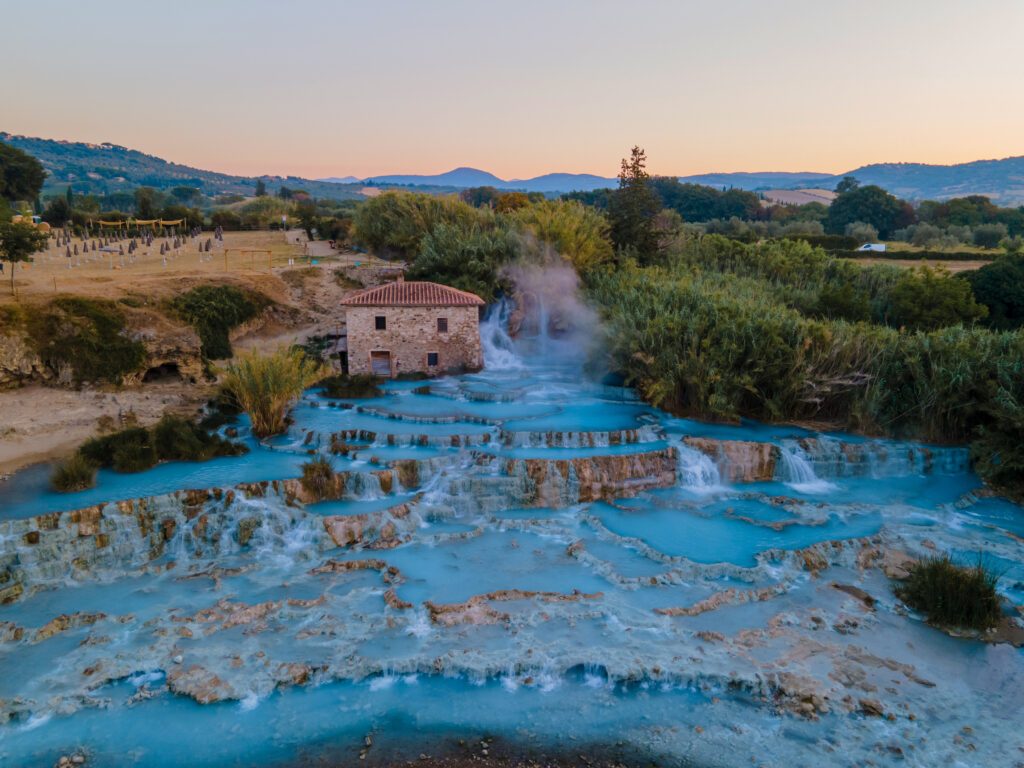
(213, 310)
(342, 386)
(951, 594)
(87, 337)
(266, 386)
(74, 474)
(318, 477)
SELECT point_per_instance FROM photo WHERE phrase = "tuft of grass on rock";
(950, 594)
(76, 473)
(318, 477)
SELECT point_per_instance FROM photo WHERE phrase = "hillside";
(1001, 180)
(106, 168)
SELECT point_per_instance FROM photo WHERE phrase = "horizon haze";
(324, 89)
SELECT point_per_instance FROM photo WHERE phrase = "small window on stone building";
(381, 322)
(431, 359)
(442, 325)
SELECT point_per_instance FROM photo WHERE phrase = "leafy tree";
(147, 203)
(306, 212)
(633, 207)
(261, 188)
(467, 258)
(1000, 287)
(861, 231)
(572, 230)
(57, 212)
(848, 184)
(925, 298)
(18, 242)
(989, 235)
(186, 195)
(871, 205)
(21, 175)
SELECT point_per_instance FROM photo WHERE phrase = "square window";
(381, 322)
(431, 359)
(442, 325)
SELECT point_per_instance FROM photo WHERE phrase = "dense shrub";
(213, 310)
(172, 439)
(86, 337)
(345, 387)
(76, 473)
(926, 298)
(951, 594)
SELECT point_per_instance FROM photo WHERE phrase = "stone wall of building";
(411, 334)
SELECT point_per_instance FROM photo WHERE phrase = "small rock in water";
(178, 659)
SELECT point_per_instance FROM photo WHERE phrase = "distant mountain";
(106, 168)
(342, 180)
(459, 177)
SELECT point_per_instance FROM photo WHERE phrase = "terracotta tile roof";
(413, 294)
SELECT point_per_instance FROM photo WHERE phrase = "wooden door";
(380, 363)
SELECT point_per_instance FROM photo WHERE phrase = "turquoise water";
(675, 612)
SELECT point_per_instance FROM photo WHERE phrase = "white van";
(879, 247)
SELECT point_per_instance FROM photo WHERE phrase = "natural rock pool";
(519, 552)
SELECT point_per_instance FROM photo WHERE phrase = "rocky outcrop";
(739, 461)
(19, 364)
(477, 609)
(564, 482)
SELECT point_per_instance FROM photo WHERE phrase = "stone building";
(408, 327)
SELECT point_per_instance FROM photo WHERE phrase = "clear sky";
(324, 87)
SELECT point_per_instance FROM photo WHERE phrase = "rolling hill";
(104, 168)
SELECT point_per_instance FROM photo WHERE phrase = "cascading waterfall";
(572, 562)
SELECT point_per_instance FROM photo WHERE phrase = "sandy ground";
(952, 266)
(40, 423)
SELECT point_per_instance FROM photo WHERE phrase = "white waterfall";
(697, 471)
(498, 347)
(796, 470)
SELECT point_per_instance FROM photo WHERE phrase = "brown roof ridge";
(405, 293)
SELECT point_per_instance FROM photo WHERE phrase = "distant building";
(409, 327)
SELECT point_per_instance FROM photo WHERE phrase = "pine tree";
(633, 207)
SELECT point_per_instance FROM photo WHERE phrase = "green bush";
(1000, 287)
(87, 337)
(359, 386)
(171, 439)
(76, 473)
(213, 310)
(926, 298)
(950, 594)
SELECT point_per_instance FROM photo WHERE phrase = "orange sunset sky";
(315, 88)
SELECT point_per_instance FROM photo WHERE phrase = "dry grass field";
(952, 266)
(244, 257)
